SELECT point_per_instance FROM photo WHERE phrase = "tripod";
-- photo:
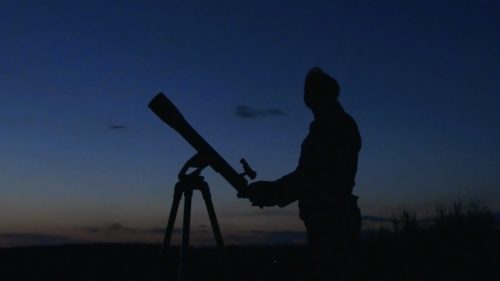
(185, 186)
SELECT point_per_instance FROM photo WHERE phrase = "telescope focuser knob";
(248, 171)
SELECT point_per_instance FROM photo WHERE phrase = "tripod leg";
(171, 219)
(205, 191)
(188, 194)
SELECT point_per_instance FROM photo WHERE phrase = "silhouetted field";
(458, 244)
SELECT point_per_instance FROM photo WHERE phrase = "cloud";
(117, 127)
(244, 111)
(115, 227)
(256, 212)
(109, 228)
(160, 230)
(29, 239)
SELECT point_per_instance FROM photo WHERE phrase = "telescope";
(206, 155)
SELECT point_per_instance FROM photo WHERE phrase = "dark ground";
(383, 258)
(456, 245)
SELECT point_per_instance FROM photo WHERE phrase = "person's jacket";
(327, 166)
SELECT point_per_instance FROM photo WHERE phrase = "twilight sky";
(83, 158)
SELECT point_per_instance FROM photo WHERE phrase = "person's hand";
(261, 193)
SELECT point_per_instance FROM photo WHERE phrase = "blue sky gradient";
(420, 78)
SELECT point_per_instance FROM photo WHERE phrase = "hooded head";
(321, 92)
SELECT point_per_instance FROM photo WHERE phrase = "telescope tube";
(169, 114)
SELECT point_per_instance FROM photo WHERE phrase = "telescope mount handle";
(198, 162)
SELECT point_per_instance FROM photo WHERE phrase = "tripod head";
(206, 155)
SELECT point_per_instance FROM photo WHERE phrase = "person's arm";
(280, 192)
(288, 188)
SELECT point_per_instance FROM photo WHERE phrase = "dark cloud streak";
(117, 127)
(30, 239)
(109, 228)
(244, 111)
(116, 228)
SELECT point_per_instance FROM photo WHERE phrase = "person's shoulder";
(348, 118)
(349, 121)
(351, 128)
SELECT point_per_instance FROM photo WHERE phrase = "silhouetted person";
(323, 181)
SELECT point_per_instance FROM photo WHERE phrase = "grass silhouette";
(460, 242)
